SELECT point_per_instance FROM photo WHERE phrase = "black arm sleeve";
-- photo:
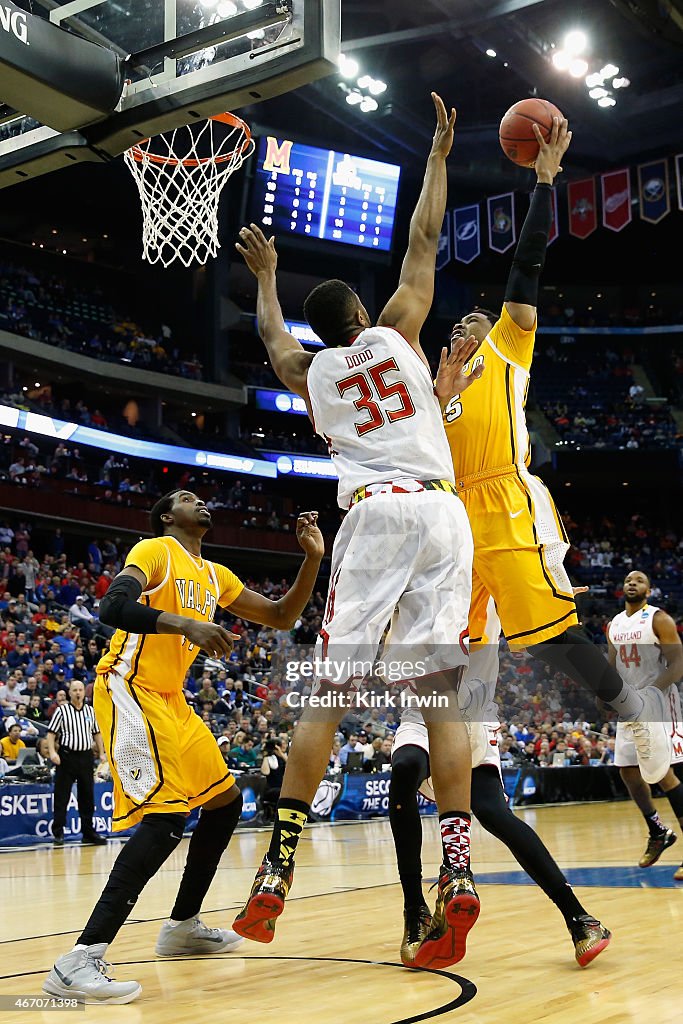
(120, 608)
(529, 257)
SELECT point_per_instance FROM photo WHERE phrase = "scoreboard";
(303, 191)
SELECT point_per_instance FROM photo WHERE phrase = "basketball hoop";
(180, 177)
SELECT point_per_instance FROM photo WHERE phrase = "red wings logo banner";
(616, 199)
(583, 213)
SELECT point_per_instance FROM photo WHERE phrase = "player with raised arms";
(646, 650)
(404, 549)
(519, 539)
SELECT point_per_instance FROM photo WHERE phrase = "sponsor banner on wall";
(653, 190)
(501, 218)
(616, 199)
(466, 233)
(26, 810)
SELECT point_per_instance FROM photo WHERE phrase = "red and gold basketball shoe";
(589, 938)
(456, 911)
(678, 874)
(417, 926)
(266, 901)
(656, 845)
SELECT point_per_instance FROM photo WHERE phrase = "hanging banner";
(582, 207)
(466, 233)
(653, 190)
(443, 250)
(616, 199)
(501, 215)
(554, 230)
(678, 164)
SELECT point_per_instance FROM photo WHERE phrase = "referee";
(75, 725)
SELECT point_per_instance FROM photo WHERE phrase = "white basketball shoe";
(651, 735)
(82, 975)
(194, 938)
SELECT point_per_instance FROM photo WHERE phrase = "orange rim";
(140, 155)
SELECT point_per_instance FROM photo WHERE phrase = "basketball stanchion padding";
(180, 177)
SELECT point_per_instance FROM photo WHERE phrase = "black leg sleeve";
(207, 845)
(579, 658)
(491, 808)
(409, 768)
(152, 843)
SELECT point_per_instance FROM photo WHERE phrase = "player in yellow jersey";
(164, 760)
(519, 539)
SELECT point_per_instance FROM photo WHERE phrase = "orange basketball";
(516, 132)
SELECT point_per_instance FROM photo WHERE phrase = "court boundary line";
(468, 989)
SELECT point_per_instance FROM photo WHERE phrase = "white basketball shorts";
(625, 753)
(404, 559)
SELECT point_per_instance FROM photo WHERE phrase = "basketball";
(516, 131)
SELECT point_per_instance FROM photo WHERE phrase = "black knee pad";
(409, 769)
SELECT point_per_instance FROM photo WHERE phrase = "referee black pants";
(75, 766)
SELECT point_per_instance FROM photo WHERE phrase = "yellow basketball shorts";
(163, 758)
(519, 550)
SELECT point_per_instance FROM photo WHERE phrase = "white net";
(180, 177)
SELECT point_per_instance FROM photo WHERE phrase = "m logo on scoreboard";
(277, 155)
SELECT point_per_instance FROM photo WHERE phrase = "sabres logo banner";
(616, 199)
(501, 215)
(466, 233)
(443, 250)
(653, 190)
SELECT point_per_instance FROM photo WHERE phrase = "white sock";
(174, 924)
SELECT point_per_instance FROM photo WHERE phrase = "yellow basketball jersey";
(177, 582)
(486, 425)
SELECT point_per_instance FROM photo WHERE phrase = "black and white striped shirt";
(74, 726)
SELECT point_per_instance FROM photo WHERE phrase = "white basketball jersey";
(373, 403)
(639, 656)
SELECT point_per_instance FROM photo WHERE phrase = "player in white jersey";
(404, 550)
(646, 649)
(410, 773)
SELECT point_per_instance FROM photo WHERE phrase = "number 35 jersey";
(639, 656)
(373, 403)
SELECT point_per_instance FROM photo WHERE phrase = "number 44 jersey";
(639, 656)
(373, 403)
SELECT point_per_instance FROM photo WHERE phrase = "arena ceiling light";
(364, 89)
(348, 67)
(578, 67)
(490, 52)
(561, 60)
(607, 101)
(575, 42)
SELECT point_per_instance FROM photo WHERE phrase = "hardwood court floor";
(335, 955)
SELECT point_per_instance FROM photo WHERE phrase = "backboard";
(183, 60)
